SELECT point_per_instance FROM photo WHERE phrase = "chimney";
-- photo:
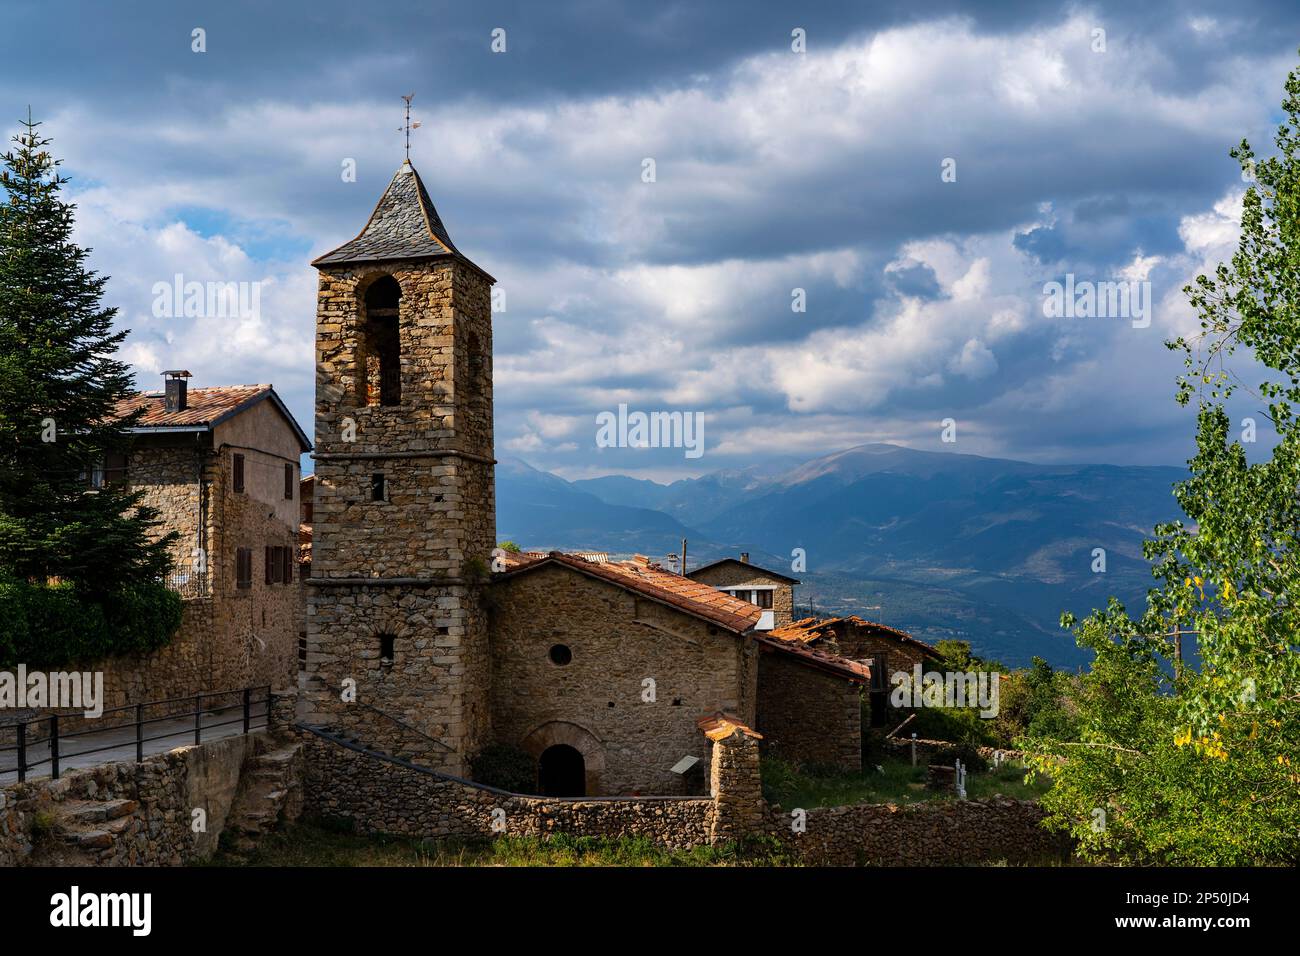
(177, 399)
(744, 557)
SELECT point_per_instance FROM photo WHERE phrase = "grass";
(317, 845)
(897, 781)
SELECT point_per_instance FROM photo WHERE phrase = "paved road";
(118, 743)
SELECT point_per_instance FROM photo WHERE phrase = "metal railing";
(252, 703)
(188, 584)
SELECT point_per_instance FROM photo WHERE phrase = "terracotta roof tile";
(657, 583)
(722, 726)
(811, 630)
(203, 405)
(855, 671)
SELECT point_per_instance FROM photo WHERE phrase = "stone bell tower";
(405, 511)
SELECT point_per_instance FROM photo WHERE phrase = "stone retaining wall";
(125, 814)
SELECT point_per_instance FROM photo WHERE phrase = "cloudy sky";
(1068, 150)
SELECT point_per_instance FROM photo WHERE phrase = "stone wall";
(255, 628)
(936, 833)
(861, 643)
(901, 746)
(433, 528)
(741, 575)
(230, 637)
(598, 702)
(421, 685)
(378, 793)
(121, 814)
(808, 716)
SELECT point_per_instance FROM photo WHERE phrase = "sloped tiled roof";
(205, 408)
(810, 630)
(404, 225)
(855, 671)
(656, 583)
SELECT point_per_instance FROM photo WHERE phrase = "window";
(560, 655)
(763, 599)
(288, 482)
(107, 473)
(879, 683)
(378, 364)
(279, 565)
(387, 648)
(244, 568)
(378, 490)
(239, 473)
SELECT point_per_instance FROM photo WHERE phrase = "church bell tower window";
(379, 362)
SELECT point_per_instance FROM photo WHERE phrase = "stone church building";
(423, 639)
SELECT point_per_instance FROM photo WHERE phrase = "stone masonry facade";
(630, 733)
(230, 637)
(809, 716)
(404, 566)
(736, 574)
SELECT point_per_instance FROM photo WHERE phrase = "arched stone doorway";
(561, 772)
(577, 738)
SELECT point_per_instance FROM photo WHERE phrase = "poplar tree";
(1198, 761)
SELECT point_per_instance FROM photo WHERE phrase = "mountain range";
(943, 545)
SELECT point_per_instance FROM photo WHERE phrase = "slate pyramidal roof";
(404, 225)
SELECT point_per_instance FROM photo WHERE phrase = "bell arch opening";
(379, 346)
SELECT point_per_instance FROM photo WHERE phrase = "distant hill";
(541, 511)
(991, 548)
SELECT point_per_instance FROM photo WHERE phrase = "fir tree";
(60, 384)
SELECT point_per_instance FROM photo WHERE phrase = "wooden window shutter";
(288, 482)
(239, 472)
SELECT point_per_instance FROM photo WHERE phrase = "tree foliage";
(1201, 765)
(59, 386)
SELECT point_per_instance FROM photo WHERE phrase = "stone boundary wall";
(379, 793)
(126, 814)
(937, 833)
(902, 747)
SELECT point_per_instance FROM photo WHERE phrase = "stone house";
(618, 660)
(770, 591)
(885, 650)
(423, 639)
(221, 467)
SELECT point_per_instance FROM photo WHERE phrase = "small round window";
(560, 654)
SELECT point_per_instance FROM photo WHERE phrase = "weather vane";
(409, 125)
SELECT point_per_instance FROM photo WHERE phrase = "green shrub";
(506, 767)
(51, 626)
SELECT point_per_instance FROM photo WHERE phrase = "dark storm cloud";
(774, 173)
